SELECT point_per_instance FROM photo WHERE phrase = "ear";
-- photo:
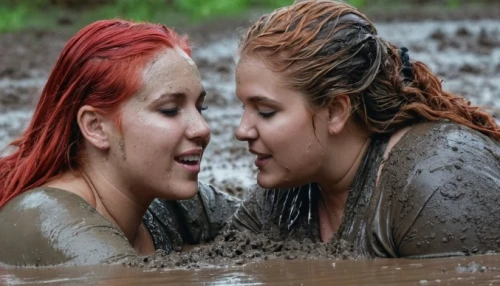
(339, 110)
(92, 127)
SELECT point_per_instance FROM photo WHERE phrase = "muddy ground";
(235, 248)
(463, 48)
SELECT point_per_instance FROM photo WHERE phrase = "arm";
(439, 198)
(46, 227)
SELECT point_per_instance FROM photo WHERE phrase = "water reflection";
(478, 270)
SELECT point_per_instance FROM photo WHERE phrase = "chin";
(181, 190)
(272, 182)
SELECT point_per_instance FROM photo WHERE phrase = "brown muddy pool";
(472, 270)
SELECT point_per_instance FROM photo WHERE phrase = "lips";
(261, 159)
(190, 160)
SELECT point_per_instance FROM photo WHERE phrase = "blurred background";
(17, 15)
(458, 39)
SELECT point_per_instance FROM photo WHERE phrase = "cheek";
(296, 141)
(282, 137)
(291, 129)
(152, 136)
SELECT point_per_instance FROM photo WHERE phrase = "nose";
(198, 130)
(245, 130)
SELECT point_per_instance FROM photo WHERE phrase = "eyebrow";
(259, 99)
(164, 96)
(176, 95)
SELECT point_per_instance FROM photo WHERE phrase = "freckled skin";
(122, 148)
(151, 140)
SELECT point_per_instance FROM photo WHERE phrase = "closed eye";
(202, 108)
(170, 112)
(267, 114)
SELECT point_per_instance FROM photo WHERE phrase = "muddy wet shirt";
(48, 226)
(438, 195)
(175, 223)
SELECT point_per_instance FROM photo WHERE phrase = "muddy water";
(472, 270)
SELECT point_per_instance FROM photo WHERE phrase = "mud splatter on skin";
(121, 145)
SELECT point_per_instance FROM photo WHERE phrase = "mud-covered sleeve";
(47, 227)
(253, 211)
(219, 207)
(201, 218)
(443, 202)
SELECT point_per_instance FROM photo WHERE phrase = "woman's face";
(163, 133)
(278, 124)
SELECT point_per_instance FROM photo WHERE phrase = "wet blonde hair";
(326, 48)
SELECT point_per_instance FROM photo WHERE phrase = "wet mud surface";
(234, 248)
(476, 270)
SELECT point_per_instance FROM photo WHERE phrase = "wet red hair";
(100, 66)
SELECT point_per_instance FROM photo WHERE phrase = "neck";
(331, 211)
(341, 168)
(342, 163)
(117, 203)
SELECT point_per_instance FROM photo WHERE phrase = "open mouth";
(261, 160)
(190, 160)
(263, 157)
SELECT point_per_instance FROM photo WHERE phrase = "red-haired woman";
(354, 140)
(118, 124)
